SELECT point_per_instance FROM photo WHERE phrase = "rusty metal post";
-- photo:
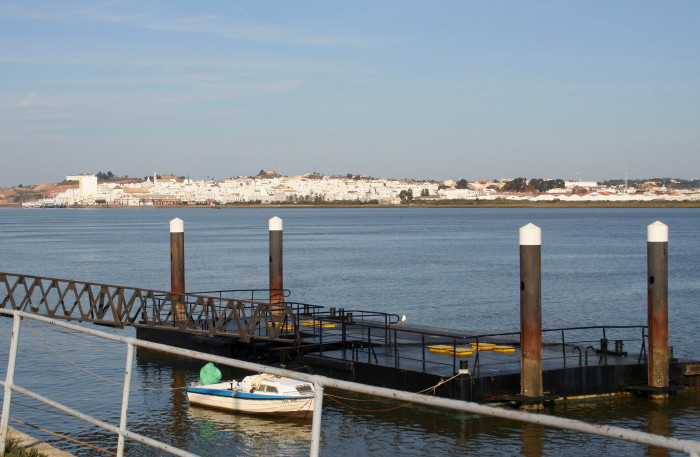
(657, 304)
(177, 267)
(276, 276)
(530, 311)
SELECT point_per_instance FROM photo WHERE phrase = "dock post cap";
(275, 224)
(530, 235)
(657, 232)
(177, 225)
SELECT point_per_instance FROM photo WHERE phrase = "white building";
(88, 185)
(584, 184)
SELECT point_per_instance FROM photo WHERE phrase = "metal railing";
(688, 446)
(362, 338)
(331, 326)
(250, 294)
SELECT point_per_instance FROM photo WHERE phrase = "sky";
(578, 90)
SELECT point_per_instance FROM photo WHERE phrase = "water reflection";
(532, 443)
(250, 435)
(659, 425)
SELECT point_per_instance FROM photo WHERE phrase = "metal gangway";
(214, 314)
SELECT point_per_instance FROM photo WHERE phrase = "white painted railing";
(320, 382)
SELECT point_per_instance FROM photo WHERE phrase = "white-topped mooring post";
(530, 311)
(657, 304)
(276, 272)
(177, 267)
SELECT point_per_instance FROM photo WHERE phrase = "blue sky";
(402, 89)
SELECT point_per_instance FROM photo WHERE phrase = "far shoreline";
(451, 204)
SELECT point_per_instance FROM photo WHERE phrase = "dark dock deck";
(576, 362)
(378, 349)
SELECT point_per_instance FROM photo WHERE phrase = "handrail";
(423, 337)
(285, 292)
(690, 447)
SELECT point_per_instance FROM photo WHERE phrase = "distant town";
(106, 189)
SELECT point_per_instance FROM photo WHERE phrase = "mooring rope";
(336, 398)
(57, 352)
(293, 414)
(43, 410)
(83, 443)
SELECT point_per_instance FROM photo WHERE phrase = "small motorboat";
(256, 394)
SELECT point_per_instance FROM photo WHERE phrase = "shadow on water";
(353, 425)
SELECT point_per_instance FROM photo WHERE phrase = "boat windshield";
(304, 388)
(266, 388)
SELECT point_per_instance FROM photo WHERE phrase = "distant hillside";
(18, 195)
(34, 192)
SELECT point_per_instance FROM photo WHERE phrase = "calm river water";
(453, 268)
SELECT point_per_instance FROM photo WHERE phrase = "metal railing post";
(396, 351)
(369, 344)
(9, 380)
(316, 420)
(454, 357)
(125, 398)
(563, 346)
(344, 336)
(320, 334)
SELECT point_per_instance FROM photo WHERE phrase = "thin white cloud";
(34, 100)
(33, 107)
(43, 114)
(235, 89)
(154, 17)
(241, 68)
(28, 100)
(669, 136)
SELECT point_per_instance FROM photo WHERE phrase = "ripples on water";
(456, 268)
